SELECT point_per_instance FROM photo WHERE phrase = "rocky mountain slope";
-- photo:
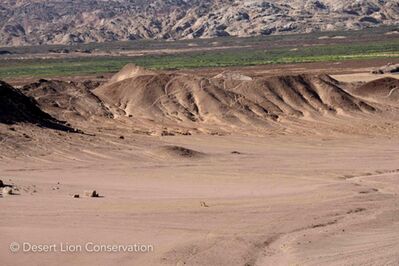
(27, 22)
(18, 108)
(67, 100)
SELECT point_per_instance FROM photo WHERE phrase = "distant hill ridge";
(33, 22)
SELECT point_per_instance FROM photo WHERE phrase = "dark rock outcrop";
(15, 107)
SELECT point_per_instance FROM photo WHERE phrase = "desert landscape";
(220, 133)
(227, 169)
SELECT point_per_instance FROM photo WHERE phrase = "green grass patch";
(220, 58)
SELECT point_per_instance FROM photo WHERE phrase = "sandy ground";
(279, 201)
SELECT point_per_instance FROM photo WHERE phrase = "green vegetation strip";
(237, 57)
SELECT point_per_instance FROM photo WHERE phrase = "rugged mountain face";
(27, 22)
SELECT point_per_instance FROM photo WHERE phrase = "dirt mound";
(130, 71)
(224, 102)
(380, 89)
(177, 152)
(65, 100)
(16, 107)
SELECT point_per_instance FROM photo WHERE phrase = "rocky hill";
(32, 22)
(228, 101)
(18, 108)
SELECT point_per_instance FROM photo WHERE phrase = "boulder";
(387, 69)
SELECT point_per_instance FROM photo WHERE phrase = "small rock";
(203, 204)
(7, 191)
(122, 137)
(91, 193)
(1, 183)
(76, 196)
